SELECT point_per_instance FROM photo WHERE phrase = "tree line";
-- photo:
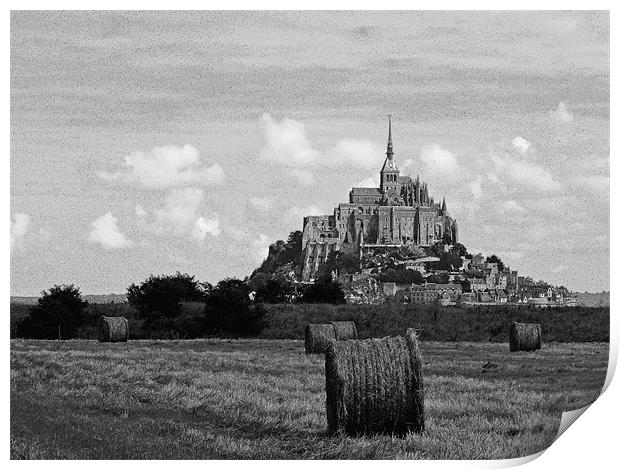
(230, 307)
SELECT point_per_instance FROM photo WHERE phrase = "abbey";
(399, 212)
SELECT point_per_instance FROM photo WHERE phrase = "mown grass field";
(264, 399)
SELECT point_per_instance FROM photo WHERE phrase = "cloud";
(508, 207)
(260, 246)
(524, 173)
(361, 152)
(204, 226)
(476, 187)
(106, 233)
(521, 144)
(562, 114)
(286, 142)
(370, 182)
(166, 167)
(439, 161)
(19, 227)
(304, 177)
(180, 215)
(261, 203)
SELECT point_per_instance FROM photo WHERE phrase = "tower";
(389, 172)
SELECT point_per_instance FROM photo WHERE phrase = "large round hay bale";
(525, 336)
(113, 329)
(375, 386)
(344, 330)
(318, 336)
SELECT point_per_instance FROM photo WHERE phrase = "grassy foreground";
(264, 399)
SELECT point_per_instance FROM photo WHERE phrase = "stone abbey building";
(399, 212)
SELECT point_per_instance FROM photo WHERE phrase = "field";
(264, 399)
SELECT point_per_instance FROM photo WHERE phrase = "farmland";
(257, 398)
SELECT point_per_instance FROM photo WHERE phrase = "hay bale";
(113, 329)
(375, 386)
(318, 336)
(344, 330)
(525, 336)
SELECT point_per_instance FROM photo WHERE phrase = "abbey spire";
(389, 164)
(390, 149)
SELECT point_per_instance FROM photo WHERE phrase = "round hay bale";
(344, 330)
(113, 329)
(318, 336)
(525, 336)
(375, 386)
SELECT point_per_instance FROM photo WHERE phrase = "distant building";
(477, 284)
(430, 293)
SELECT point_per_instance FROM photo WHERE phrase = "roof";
(366, 191)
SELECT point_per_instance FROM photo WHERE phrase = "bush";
(275, 291)
(324, 290)
(229, 310)
(158, 299)
(59, 314)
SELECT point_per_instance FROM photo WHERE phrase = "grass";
(264, 399)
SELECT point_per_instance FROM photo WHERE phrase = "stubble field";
(264, 399)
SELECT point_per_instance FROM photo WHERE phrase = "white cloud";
(19, 227)
(508, 207)
(204, 226)
(166, 167)
(180, 210)
(261, 246)
(439, 161)
(180, 215)
(261, 203)
(370, 182)
(361, 152)
(521, 144)
(476, 187)
(106, 233)
(286, 142)
(562, 114)
(524, 173)
(304, 177)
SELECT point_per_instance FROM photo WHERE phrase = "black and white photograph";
(306, 235)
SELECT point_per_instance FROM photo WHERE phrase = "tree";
(339, 263)
(495, 259)
(460, 250)
(230, 310)
(449, 261)
(438, 278)
(160, 297)
(401, 276)
(275, 291)
(325, 290)
(58, 314)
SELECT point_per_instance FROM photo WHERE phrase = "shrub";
(59, 314)
(324, 290)
(158, 299)
(230, 310)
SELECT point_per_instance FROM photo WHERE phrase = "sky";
(154, 142)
